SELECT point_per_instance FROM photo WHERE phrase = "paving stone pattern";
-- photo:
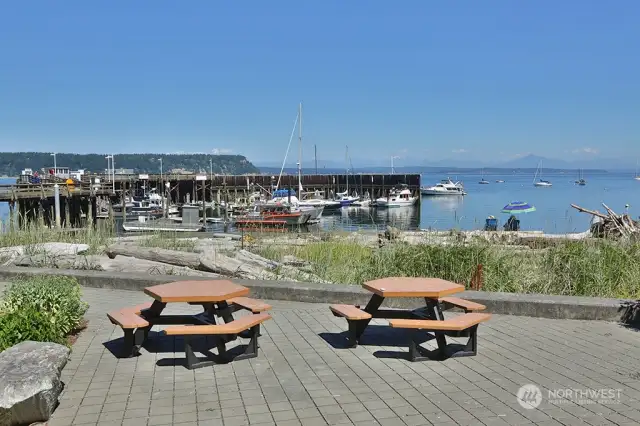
(304, 377)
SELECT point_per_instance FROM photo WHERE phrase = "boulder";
(391, 233)
(30, 381)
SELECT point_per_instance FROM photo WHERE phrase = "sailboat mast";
(300, 149)
(346, 157)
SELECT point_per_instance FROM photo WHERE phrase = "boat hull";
(346, 203)
(433, 192)
(383, 202)
(314, 213)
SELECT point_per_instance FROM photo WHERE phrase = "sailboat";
(581, 180)
(288, 197)
(343, 197)
(541, 182)
(637, 176)
(483, 181)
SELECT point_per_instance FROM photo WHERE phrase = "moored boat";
(278, 214)
(445, 187)
(398, 197)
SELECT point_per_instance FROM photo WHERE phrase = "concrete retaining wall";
(560, 307)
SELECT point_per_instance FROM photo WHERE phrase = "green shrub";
(28, 324)
(58, 298)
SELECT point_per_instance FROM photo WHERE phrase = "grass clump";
(35, 233)
(578, 268)
(170, 241)
(43, 308)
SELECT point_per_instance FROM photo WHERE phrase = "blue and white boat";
(345, 199)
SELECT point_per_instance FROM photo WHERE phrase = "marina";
(431, 211)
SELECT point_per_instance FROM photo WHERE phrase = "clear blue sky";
(417, 79)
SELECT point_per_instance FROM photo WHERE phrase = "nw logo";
(529, 396)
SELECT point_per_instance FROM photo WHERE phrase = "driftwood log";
(611, 224)
(172, 257)
(245, 265)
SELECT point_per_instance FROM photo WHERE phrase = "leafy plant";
(58, 298)
(28, 324)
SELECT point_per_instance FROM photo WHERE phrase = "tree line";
(12, 163)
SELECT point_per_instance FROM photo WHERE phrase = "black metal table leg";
(360, 325)
(224, 311)
(150, 315)
(435, 312)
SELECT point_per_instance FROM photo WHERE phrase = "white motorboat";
(445, 187)
(398, 197)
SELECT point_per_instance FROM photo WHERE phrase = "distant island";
(12, 163)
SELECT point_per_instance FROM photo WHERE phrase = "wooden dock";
(79, 198)
(220, 187)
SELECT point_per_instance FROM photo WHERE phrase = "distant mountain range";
(526, 162)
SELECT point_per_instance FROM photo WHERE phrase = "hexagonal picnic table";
(219, 298)
(435, 292)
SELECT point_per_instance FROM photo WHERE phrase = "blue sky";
(415, 79)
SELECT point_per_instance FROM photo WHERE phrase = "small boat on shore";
(445, 187)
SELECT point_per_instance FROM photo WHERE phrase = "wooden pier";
(79, 198)
(197, 187)
(31, 202)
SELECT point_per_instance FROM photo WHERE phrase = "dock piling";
(56, 197)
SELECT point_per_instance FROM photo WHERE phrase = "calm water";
(554, 213)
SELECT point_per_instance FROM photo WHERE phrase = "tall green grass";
(169, 241)
(584, 268)
(34, 233)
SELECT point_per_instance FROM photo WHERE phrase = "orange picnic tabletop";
(432, 288)
(209, 291)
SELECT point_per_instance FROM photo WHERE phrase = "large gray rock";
(30, 381)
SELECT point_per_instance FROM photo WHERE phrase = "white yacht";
(445, 187)
(398, 197)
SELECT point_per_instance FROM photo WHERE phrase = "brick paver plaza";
(300, 378)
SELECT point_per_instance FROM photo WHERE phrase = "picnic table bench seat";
(253, 305)
(130, 320)
(467, 305)
(349, 312)
(250, 323)
(354, 316)
(459, 326)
